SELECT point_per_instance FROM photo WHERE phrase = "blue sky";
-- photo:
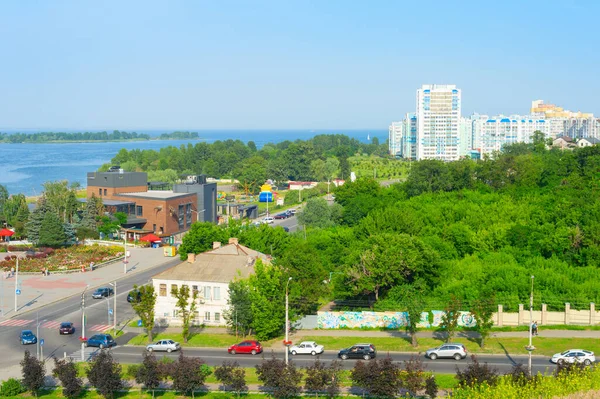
(285, 64)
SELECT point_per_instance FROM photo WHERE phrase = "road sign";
(18, 292)
(42, 342)
(110, 312)
(139, 323)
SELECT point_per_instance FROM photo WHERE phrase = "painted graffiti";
(392, 320)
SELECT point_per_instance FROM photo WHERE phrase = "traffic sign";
(42, 342)
(139, 323)
(18, 291)
(110, 312)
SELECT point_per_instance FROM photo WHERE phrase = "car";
(268, 219)
(289, 213)
(307, 348)
(134, 296)
(286, 229)
(448, 350)
(292, 211)
(252, 347)
(27, 337)
(358, 351)
(101, 341)
(167, 345)
(66, 328)
(104, 292)
(574, 355)
(281, 216)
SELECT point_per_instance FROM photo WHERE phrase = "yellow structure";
(265, 188)
(170, 251)
(554, 111)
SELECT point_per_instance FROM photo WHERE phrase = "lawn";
(202, 339)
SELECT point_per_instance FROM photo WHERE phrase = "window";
(206, 316)
(185, 286)
(162, 290)
(180, 216)
(207, 293)
(195, 290)
(138, 210)
(99, 191)
(173, 289)
(217, 293)
(188, 214)
(175, 312)
(104, 191)
(154, 227)
(217, 317)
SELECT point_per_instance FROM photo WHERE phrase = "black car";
(134, 296)
(358, 351)
(102, 293)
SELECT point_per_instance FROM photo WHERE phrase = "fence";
(433, 318)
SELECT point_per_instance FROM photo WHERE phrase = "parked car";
(358, 351)
(27, 337)
(292, 211)
(252, 347)
(268, 219)
(281, 216)
(101, 341)
(286, 229)
(307, 348)
(167, 345)
(289, 213)
(449, 351)
(66, 328)
(134, 296)
(574, 355)
(104, 292)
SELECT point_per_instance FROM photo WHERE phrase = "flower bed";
(71, 258)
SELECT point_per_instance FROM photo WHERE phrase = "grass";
(203, 339)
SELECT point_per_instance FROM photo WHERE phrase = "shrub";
(284, 380)
(380, 378)
(413, 377)
(11, 387)
(476, 374)
(132, 370)
(66, 372)
(231, 375)
(431, 387)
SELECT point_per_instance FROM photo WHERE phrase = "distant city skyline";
(155, 65)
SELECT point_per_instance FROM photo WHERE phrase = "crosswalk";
(50, 324)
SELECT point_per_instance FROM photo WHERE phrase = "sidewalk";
(38, 290)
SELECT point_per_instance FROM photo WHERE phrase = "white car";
(268, 220)
(574, 355)
(307, 348)
(166, 345)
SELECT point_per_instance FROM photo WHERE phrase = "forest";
(46, 137)
(466, 230)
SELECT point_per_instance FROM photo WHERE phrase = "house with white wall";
(587, 142)
(209, 274)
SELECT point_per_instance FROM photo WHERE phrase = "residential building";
(162, 212)
(208, 274)
(563, 142)
(396, 138)
(588, 142)
(438, 119)
(403, 137)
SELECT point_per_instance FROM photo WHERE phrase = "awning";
(150, 238)
(6, 233)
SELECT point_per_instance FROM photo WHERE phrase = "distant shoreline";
(98, 141)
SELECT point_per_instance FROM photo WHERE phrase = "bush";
(11, 387)
(431, 387)
(132, 370)
(476, 374)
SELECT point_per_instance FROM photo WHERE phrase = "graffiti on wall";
(392, 320)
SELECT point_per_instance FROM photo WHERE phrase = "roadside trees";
(284, 380)
(483, 311)
(66, 372)
(149, 373)
(378, 377)
(320, 378)
(238, 314)
(104, 374)
(33, 373)
(232, 376)
(185, 307)
(450, 317)
(189, 374)
(144, 308)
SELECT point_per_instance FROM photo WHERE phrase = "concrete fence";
(433, 318)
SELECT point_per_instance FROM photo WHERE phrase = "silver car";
(449, 350)
(165, 345)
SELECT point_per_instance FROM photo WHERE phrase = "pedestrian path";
(54, 324)
(88, 354)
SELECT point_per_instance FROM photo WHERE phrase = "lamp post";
(37, 334)
(114, 284)
(16, 285)
(530, 348)
(287, 355)
(198, 214)
(83, 323)
(125, 254)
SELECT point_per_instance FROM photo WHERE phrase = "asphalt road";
(50, 316)
(215, 357)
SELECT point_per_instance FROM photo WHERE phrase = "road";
(215, 357)
(50, 316)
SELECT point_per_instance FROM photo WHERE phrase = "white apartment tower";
(438, 118)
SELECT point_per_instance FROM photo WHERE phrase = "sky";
(286, 64)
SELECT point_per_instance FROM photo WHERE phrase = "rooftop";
(156, 194)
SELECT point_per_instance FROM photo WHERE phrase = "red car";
(66, 328)
(252, 347)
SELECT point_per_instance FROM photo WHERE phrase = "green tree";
(483, 311)
(267, 293)
(52, 232)
(189, 374)
(66, 371)
(186, 307)
(317, 168)
(450, 317)
(91, 213)
(200, 238)
(3, 199)
(321, 378)
(253, 172)
(378, 377)
(414, 305)
(231, 375)
(238, 314)
(144, 308)
(33, 373)
(34, 225)
(104, 374)
(149, 373)
(332, 166)
(318, 213)
(283, 379)
(62, 199)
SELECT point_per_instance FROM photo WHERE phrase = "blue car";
(101, 341)
(27, 337)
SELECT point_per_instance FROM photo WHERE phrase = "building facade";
(438, 122)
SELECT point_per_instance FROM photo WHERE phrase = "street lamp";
(198, 214)
(287, 320)
(530, 348)
(114, 284)
(17, 285)
(37, 334)
(83, 323)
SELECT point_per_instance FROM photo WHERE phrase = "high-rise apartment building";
(396, 138)
(438, 122)
(403, 137)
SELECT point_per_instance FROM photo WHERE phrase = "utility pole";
(83, 339)
(125, 254)
(115, 307)
(16, 285)
(287, 349)
(530, 348)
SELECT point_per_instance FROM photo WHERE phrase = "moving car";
(252, 347)
(167, 345)
(281, 216)
(134, 296)
(268, 219)
(307, 348)
(66, 328)
(27, 337)
(292, 211)
(104, 292)
(449, 351)
(574, 355)
(358, 351)
(101, 341)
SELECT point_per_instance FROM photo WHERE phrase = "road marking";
(16, 322)
(51, 324)
(100, 327)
